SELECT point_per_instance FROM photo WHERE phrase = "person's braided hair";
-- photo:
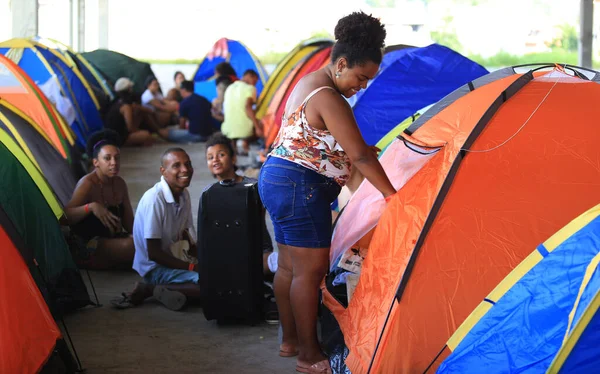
(359, 38)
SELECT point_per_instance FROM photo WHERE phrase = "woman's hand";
(375, 150)
(108, 219)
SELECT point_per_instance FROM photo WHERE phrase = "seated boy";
(163, 219)
(195, 120)
(220, 159)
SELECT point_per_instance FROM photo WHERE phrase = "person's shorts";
(299, 202)
(164, 275)
(84, 252)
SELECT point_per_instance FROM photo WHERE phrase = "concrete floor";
(151, 338)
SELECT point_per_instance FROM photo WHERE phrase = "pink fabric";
(361, 214)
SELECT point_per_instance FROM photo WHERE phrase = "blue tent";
(543, 317)
(409, 79)
(240, 58)
(41, 64)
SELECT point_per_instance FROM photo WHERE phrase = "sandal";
(123, 302)
(321, 367)
(173, 300)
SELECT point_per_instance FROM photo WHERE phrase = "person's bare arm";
(158, 104)
(127, 112)
(76, 210)
(216, 112)
(128, 213)
(182, 122)
(337, 115)
(156, 254)
(250, 111)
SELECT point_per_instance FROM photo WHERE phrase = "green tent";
(113, 65)
(36, 224)
(54, 167)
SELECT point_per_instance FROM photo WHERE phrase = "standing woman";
(317, 145)
(100, 213)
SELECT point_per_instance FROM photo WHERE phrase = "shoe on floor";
(173, 300)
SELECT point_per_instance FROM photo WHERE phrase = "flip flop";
(321, 367)
(124, 302)
(173, 300)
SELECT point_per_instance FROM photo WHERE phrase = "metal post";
(586, 29)
(80, 25)
(71, 20)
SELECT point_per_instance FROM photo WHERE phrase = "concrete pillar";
(586, 29)
(80, 25)
(103, 24)
(71, 25)
(24, 18)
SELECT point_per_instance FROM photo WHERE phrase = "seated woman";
(178, 78)
(100, 213)
(164, 110)
(126, 117)
(220, 159)
(217, 104)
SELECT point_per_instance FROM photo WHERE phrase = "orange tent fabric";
(19, 90)
(28, 333)
(518, 159)
(272, 119)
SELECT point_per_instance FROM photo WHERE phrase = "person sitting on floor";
(100, 213)
(221, 162)
(164, 110)
(164, 226)
(178, 78)
(126, 117)
(174, 94)
(217, 103)
(195, 122)
(238, 106)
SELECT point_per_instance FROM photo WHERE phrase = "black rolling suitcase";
(230, 253)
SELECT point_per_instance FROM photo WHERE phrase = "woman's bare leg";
(139, 138)
(282, 285)
(113, 254)
(309, 266)
(163, 118)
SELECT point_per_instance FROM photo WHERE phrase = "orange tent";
(502, 164)
(272, 118)
(28, 333)
(19, 90)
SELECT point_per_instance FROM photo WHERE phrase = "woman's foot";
(288, 350)
(318, 366)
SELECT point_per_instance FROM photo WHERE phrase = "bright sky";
(170, 29)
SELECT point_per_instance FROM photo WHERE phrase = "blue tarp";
(240, 58)
(524, 330)
(88, 118)
(409, 79)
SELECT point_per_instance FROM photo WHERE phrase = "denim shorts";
(299, 202)
(164, 275)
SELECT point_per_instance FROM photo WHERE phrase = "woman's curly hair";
(99, 139)
(359, 38)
